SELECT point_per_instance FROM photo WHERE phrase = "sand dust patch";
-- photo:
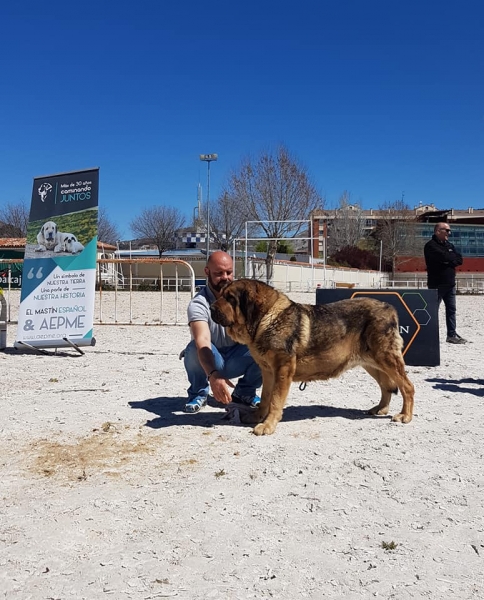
(105, 450)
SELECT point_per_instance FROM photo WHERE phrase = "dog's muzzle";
(218, 316)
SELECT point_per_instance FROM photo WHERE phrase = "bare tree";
(226, 223)
(158, 225)
(347, 227)
(396, 231)
(14, 218)
(107, 231)
(275, 190)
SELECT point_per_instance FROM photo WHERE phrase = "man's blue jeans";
(231, 362)
(446, 293)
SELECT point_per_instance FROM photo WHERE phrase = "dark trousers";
(446, 294)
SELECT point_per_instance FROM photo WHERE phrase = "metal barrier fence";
(116, 277)
(160, 298)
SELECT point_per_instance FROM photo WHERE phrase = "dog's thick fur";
(48, 237)
(300, 342)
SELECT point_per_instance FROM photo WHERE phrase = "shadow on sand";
(169, 412)
(459, 385)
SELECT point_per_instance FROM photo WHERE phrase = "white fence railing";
(302, 277)
(472, 284)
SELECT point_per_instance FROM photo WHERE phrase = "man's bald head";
(219, 270)
(442, 231)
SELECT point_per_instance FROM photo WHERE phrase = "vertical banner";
(59, 272)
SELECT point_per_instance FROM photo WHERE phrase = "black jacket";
(441, 259)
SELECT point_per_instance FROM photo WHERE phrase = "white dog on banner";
(49, 238)
(68, 243)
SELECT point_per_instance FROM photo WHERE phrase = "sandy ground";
(109, 490)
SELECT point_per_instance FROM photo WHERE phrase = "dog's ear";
(243, 303)
(248, 306)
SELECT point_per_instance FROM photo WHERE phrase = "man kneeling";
(212, 358)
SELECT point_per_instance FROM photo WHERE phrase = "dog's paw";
(376, 410)
(264, 429)
(402, 418)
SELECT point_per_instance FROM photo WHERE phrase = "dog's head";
(49, 232)
(70, 242)
(241, 306)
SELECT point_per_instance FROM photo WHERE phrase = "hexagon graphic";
(418, 305)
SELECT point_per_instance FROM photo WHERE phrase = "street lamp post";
(208, 158)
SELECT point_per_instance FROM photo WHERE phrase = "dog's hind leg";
(393, 370)
(387, 387)
(408, 392)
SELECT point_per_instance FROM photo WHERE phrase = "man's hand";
(220, 388)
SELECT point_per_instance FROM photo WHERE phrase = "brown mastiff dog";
(301, 342)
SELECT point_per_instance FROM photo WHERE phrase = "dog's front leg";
(273, 404)
(261, 412)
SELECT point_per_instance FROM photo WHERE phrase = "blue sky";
(380, 98)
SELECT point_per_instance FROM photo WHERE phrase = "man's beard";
(216, 287)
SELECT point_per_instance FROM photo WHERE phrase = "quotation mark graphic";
(38, 275)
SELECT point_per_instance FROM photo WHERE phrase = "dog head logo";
(44, 189)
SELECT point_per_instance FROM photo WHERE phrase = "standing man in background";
(441, 259)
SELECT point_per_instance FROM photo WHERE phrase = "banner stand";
(39, 350)
(59, 270)
(45, 353)
(75, 346)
